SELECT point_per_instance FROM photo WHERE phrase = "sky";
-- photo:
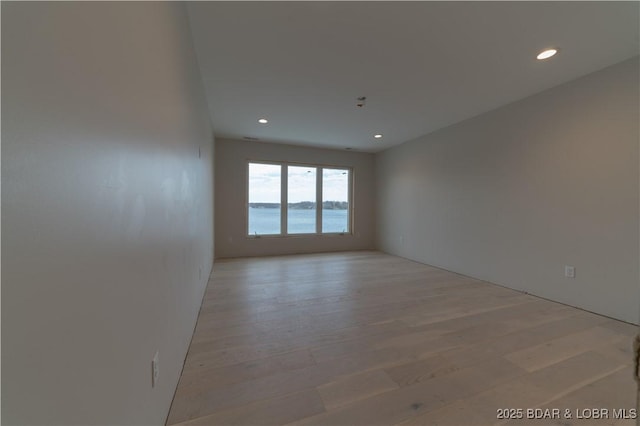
(264, 184)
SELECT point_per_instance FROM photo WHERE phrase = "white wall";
(106, 209)
(231, 198)
(513, 195)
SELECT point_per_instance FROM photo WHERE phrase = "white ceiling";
(421, 65)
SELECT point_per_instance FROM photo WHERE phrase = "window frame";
(284, 198)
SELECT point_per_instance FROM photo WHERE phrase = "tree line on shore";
(304, 205)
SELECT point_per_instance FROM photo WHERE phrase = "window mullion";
(284, 197)
(350, 202)
(319, 200)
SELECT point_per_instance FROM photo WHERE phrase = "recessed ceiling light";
(263, 121)
(546, 53)
(378, 136)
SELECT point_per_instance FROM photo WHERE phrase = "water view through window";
(265, 211)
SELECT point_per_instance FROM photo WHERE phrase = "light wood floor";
(363, 338)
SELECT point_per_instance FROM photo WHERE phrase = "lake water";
(267, 221)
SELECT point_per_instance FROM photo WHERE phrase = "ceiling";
(421, 65)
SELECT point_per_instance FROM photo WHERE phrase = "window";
(317, 199)
(301, 204)
(264, 199)
(335, 200)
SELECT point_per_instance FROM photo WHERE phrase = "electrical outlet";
(569, 271)
(155, 369)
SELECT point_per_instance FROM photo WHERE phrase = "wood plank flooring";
(364, 338)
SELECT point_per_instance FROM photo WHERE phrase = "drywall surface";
(232, 157)
(106, 209)
(514, 195)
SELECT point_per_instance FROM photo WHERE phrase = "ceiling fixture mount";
(263, 121)
(547, 53)
(377, 136)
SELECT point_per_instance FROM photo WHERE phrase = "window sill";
(330, 235)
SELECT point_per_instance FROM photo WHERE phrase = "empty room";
(320, 213)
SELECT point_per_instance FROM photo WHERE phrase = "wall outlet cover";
(569, 271)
